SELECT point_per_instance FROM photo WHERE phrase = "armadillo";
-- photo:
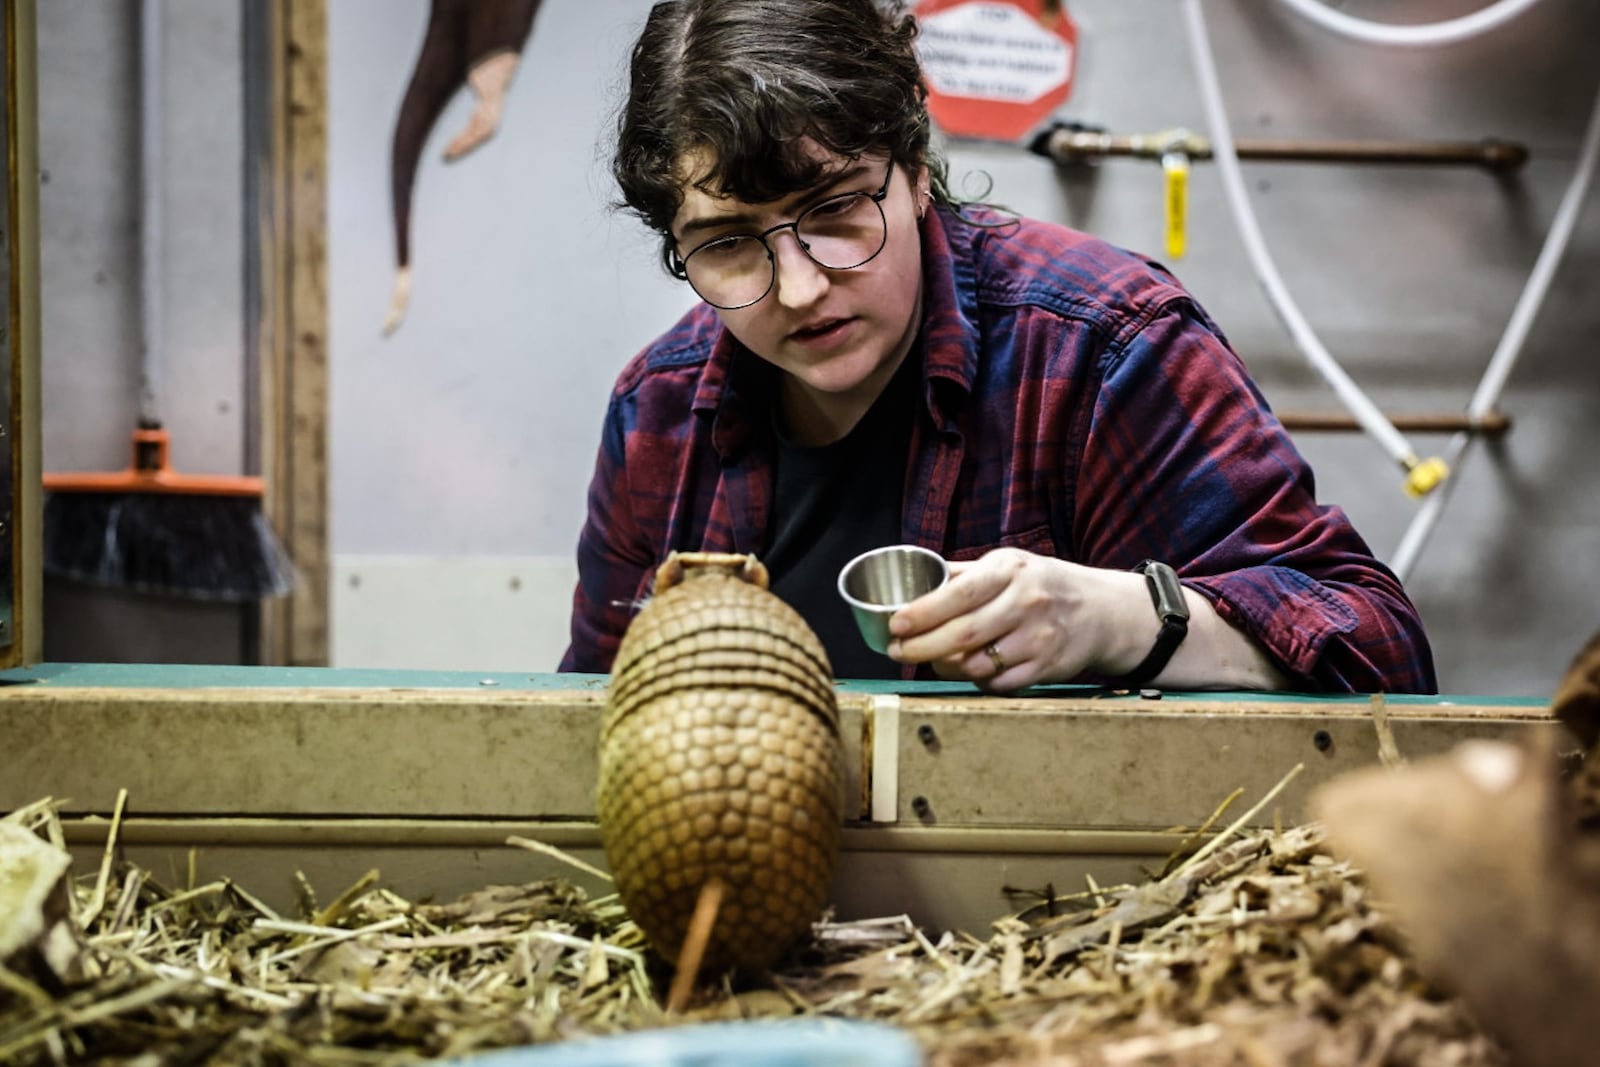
(721, 758)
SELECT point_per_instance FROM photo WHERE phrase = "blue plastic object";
(751, 1043)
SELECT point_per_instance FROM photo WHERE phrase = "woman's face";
(838, 335)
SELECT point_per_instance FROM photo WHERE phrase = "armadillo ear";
(668, 574)
(755, 572)
(678, 565)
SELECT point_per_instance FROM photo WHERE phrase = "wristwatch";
(1167, 596)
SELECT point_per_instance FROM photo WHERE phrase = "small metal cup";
(878, 583)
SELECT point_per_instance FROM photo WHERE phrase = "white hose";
(1510, 346)
(1429, 34)
(1227, 160)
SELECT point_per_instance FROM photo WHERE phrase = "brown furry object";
(1480, 858)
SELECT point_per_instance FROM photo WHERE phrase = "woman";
(873, 363)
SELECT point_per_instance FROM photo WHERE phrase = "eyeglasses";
(840, 233)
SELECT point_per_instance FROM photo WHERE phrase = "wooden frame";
(953, 799)
(24, 642)
(292, 321)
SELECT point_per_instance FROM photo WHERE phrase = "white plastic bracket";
(884, 736)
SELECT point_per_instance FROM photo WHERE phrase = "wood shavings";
(210, 974)
(1258, 949)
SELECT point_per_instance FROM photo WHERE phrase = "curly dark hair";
(745, 82)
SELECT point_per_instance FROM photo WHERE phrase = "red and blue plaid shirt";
(1078, 404)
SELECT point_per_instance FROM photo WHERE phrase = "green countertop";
(195, 676)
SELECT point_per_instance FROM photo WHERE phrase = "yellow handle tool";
(1175, 166)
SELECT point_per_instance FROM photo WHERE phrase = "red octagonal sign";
(995, 68)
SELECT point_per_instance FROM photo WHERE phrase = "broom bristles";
(202, 547)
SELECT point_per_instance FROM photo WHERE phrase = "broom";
(150, 528)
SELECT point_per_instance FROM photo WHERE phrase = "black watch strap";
(1167, 596)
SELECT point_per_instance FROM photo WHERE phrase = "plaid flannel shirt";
(1078, 404)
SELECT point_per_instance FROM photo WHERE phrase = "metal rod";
(1490, 153)
(213, 832)
(1068, 146)
(1490, 424)
(152, 290)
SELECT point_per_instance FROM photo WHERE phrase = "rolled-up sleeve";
(1185, 462)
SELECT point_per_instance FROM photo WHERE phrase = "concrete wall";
(462, 444)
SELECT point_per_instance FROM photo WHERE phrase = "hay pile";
(1261, 949)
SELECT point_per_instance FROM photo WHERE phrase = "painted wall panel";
(89, 222)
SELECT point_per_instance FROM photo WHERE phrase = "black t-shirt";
(832, 503)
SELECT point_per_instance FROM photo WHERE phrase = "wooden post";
(292, 323)
(22, 639)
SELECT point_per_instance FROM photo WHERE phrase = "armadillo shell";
(720, 757)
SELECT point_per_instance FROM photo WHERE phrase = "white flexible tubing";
(151, 290)
(1534, 291)
(1426, 35)
(1227, 160)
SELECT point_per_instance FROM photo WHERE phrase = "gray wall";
(89, 224)
(461, 445)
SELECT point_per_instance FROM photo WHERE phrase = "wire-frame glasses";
(839, 233)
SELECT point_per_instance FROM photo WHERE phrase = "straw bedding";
(1258, 949)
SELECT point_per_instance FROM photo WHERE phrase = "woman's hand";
(1014, 619)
